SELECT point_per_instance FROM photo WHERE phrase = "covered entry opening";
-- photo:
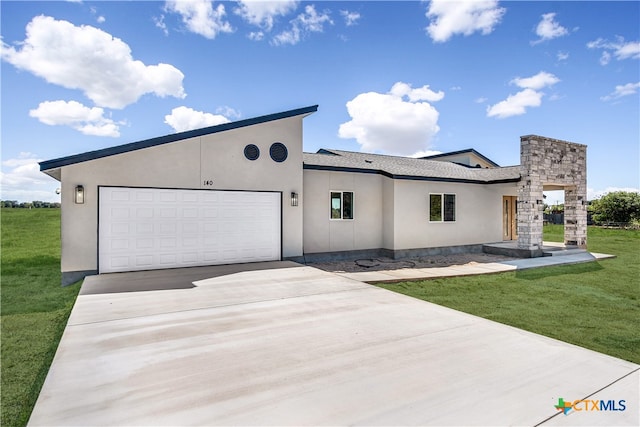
(549, 164)
(567, 217)
(155, 228)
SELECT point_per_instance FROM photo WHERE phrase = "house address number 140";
(207, 182)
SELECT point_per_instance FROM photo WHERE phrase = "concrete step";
(562, 252)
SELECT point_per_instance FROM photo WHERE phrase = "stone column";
(530, 197)
(575, 217)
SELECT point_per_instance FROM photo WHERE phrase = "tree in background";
(618, 206)
(29, 205)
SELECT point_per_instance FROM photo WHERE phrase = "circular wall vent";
(251, 152)
(278, 152)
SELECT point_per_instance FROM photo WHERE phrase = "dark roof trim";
(406, 177)
(147, 143)
(469, 150)
(325, 151)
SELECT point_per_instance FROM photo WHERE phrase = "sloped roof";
(407, 167)
(120, 149)
(467, 151)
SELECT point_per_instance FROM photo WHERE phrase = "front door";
(509, 217)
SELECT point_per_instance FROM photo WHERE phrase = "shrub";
(618, 206)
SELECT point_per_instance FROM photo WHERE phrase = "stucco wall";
(478, 214)
(321, 233)
(191, 163)
(394, 214)
(388, 213)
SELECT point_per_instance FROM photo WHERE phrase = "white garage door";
(151, 228)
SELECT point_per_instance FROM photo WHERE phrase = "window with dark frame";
(342, 205)
(442, 207)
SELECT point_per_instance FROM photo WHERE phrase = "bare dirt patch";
(382, 263)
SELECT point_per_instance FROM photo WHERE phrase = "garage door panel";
(142, 229)
(144, 212)
(144, 243)
(144, 260)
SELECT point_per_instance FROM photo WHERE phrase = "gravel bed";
(382, 263)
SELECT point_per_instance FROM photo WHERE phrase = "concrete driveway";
(294, 345)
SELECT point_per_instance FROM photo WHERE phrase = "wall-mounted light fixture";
(294, 199)
(79, 194)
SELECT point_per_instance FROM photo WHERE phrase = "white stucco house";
(245, 191)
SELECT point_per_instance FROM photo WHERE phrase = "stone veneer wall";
(551, 162)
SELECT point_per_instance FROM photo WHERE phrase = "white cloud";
(425, 153)
(255, 35)
(605, 58)
(291, 36)
(263, 13)
(24, 182)
(24, 158)
(449, 18)
(183, 119)
(99, 18)
(515, 105)
(540, 80)
(530, 96)
(399, 122)
(618, 49)
(593, 194)
(562, 56)
(200, 17)
(229, 112)
(548, 29)
(159, 21)
(89, 121)
(91, 60)
(628, 50)
(481, 100)
(350, 18)
(622, 90)
(310, 21)
(423, 93)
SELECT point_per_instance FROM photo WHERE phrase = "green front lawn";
(34, 308)
(593, 305)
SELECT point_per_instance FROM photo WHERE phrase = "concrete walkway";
(404, 274)
(300, 346)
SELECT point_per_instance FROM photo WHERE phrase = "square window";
(341, 205)
(442, 207)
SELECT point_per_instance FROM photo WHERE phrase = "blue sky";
(401, 78)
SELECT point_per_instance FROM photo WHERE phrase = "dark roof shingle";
(407, 167)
